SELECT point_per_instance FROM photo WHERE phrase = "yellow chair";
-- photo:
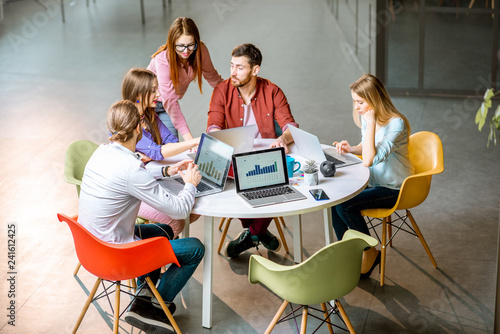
(426, 155)
(328, 275)
(227, 221)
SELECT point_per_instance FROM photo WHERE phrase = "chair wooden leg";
(280, 231)
(276, 317)
(421, 237)
(389, 229)
(223, 236)
(87, 304)
(222, 220)
(77, 269)
(282, 221)
(384, 248)
(303, 325)
(133, 284)
(345, 317)
(327, 317)
(163, 305)
(116, 324)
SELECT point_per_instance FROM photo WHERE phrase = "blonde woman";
(114, 185)
(384, 148)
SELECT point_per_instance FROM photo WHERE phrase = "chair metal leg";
(421, 238)
(345, 317)
(116, 324)
(223, 236)
(276, 317)
(384, 248)
(87, 304)
(303, 325)
(77, 269)
(163, 305)
(280, 232)
(327, 317)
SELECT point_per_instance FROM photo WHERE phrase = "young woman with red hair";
(183, 59)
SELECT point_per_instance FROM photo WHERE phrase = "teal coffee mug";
(290, 164)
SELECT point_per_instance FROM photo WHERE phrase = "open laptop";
(261, 177)
(213, 159)
(240, 138)
(309, 147)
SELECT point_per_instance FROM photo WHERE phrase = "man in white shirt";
(114, 184)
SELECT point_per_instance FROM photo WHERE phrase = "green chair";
(331, 273)
(77, 156)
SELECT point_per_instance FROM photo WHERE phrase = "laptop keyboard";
(268, 192)
(334, 160)
(199, 188)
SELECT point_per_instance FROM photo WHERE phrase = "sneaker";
(171, 306)
(143, 315)
(269, 241)
(243, 242)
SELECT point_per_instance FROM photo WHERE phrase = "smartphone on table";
(318, 194)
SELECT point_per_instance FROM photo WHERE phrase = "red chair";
(117, 262)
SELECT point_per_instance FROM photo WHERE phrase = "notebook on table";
(213, 159)
(309, 147)
(261, 177)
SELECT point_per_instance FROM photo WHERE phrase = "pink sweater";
(161, 67)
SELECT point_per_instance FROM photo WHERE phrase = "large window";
(447, 47)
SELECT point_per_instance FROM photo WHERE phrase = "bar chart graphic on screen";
(211, 171)
(263, 169)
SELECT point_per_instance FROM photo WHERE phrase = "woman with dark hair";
(141, 87)
(183, 59)
(157, 142)
(384, 149)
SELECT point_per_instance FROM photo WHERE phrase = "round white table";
(347, 183)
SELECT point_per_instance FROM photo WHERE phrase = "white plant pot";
(311, 179)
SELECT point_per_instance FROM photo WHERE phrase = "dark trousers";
(347, 215)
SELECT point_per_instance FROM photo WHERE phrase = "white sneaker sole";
(149, 326)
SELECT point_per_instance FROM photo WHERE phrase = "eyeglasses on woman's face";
(182, 47)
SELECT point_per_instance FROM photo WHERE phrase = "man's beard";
(241, 83)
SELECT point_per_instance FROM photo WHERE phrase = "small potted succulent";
(311, 173)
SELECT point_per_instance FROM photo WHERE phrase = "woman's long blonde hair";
(182, 26)
(372, 90)
(138, 83)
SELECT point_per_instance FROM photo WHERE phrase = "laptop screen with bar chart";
(262, 178)
(213, 159)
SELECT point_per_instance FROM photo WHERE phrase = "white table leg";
(327, 219)
(185, 233)
(206, 316)
(297, 238)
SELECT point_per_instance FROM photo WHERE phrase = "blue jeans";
(165, 118)
(347, 215)
(189, 252)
